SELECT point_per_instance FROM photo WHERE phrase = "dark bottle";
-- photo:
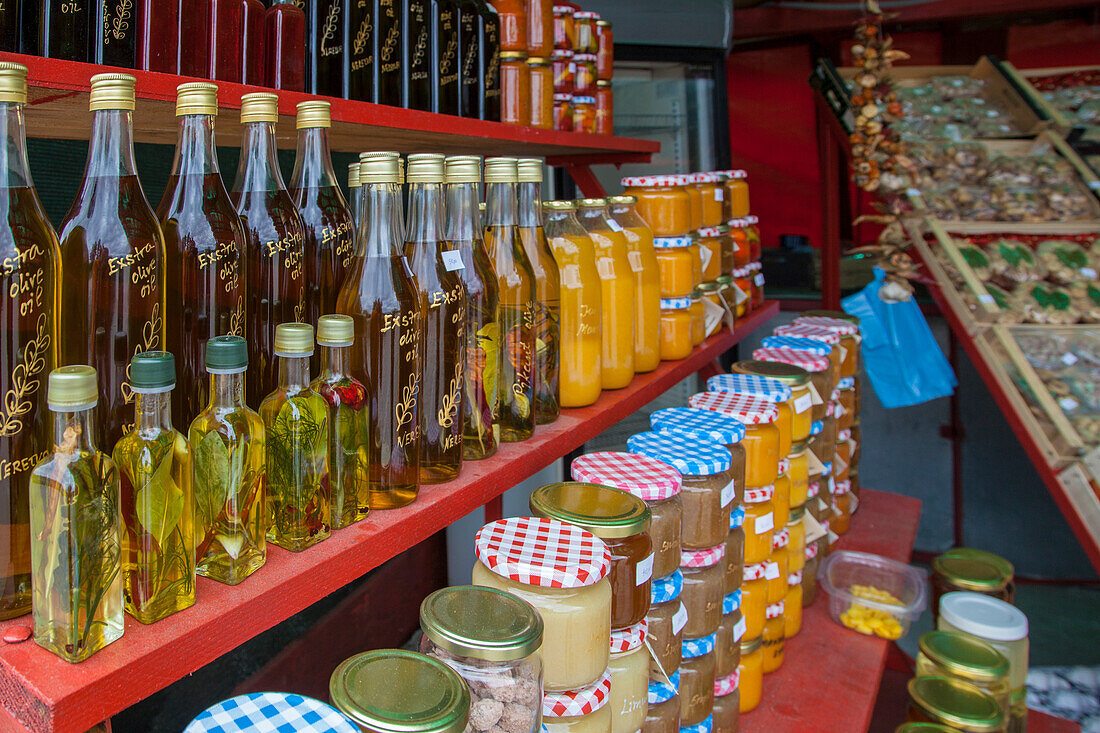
(275, 254)
(158, 36)
(194, 29)
(446, 56)
(117, 40)
(361, 34)
(489, 53)
(388, 74)
(326, 35)
(285, 49)
(469, 69)
(252, 41)
(417, 57)
(9, 25)
(61, 29)
(204, 255)
(225, 31)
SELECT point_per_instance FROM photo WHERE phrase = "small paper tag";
(719, 194)
(614, 225)
(644, 570)
(739, 629)
(814, 530)
(679, 621)
(452, 260)
(1069, 359)
(729, 493)
(1068, 404)
(636, 263)
(838, 409)
(913, 192)
(843, 352)
(986, 298)
(705, 255)
(816, 466)
(771, 570)
(712, 316)
(803, 403)
(840, 463)
(759, 279)
(764, 523)
(813, 394)
(739, 295)
(822, 505)
(605, 266)
(853, 503)
(1089, 272)
(833, 537)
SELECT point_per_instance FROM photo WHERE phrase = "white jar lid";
(983, 616)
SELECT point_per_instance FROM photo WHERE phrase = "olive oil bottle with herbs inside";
(227, 440)
(76, 526)
(158, 499)
(275, 274)
(31, 261)
(112, 261)
(205, 249)
(481, 427)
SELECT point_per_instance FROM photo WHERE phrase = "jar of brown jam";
(735, 550)
(663, 714)
(727, 703)
(727, 649)
(696, 680)
(666, 619)
(565, 33)
(710, 426)
(704, 588)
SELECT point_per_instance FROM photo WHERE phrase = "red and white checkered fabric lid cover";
(839, 325)
(806, 359)
(632, 637)
(781, 538)
(644, 477)
(710, 232)
(813, 489)
(759, 494)
(844, 434)
(802, 330)
(744, 408)
(811, 551)
(830, 408)
(753, 219)
(775, 610)
(574, 703)
(704, 558)
(842, 487)
(727, 685)
(733, 173)
(648, 181)
(794, 578)
(784, 465)
(542, 552)
(756, 571)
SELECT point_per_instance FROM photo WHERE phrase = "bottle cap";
(513, 55)
(538, 61)
(13, 82)
(334, 330)
(591, 203)
(501, 170)
(313, 114)
(112, 91)
(353, 175)
(152, 372)
(259, 107)
(378, 168)
(196, 98)
(559, 205)
(463, 169)
(622, 200)
(425, 168)
(400, 171)
(72, 388)
(529, 170)
(226, 355)
(294, 339)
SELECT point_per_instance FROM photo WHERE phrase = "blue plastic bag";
(900, 355)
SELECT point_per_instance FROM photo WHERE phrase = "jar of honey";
(565, 33)
(751, 674)
(584, 114)
(605, 108)
(561, 62)
(696, 680)
(515, 88)
(663, 203)
(675, 323)
(761, 432)
(605, 50)
(782, 497)
(584, 74)
(663, 713)
(563, 112)
(773, 637)
(698, 318)
(800, 397)
(759, 525)
(542, 93)
(584, 24)
(696, 200)
(676, 259)
(842, 507)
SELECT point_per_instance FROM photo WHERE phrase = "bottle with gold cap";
(158, 500)
(434, 262)
(28, 340)
(581, 346)
(617, 288)
(647, 288)
(276, 241)
(326, 218)
(516, 283)
(296, 441)
(547, 289)
(205, 247)
(112, 261)
(353, 200)
(75, 520)
(384, 300)
(227, 439)
(348, 422)
(481, 429)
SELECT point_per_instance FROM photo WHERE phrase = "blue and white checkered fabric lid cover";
(271, 712)
(675, 304)
(692, 648)
(666, 242)
(817, 426)
(798, 343)
(663, 590)
(704, 727)
(846, 383)
(690, 456)
(737, 517)
(662, 691)
(702, 424)
(731, 602)
(763, 387)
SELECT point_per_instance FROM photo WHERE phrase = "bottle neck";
(313, 161)
(111, 148)
(529, 204)
(293, 373)
(382, 235)
(425, 213)
(17, 173)
(500, 205)
(334, 361)
(153, 412)
(196, 154)
(259, 166)
(463, 220)
(73, 431)
(227, 391)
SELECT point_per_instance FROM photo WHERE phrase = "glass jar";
(815, 365)
(842, 458)
(698, 318)
(561, 64)
(737, 191)
(742, 280)
(663, 715)
(605, 108)
(727, 703)
(563, 112)
(792, 605)
(542, 92)
(710, 426)
(738, 230)
(778, 566)
(822, 335)
(729, 249)
(966, 658)
(696, 201)
(565, 33)
(696, 680)
(799, 473)
(768, 390)
(781, 499)
(540, 27)
(774, 641)
(621, 520)
(704, 588)
(752, 232)
(584, 74)
(809, 574)
(515, 88)
(757, 270)
(584, 24)
(956, 704)
(847, 398)
(710, 248)
(857, 436)
(676, 258)
(727, 649)
(800, 401)
(584, 114)
(735, 550)
(605, 50)
(754, 599)
(665, 624)
(561, 711)
(629, 667)
(796, 546)
(761, 440)
(849, 340)
(751, 674)
(813, 494)
(561, 570)
(662, 202)
(842, 508)
(491, 638)
(759, 524)
(967, 569)
(712, 196)
(676, 323)
(513, 24)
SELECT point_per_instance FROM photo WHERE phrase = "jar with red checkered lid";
(818, 366)
(704, 588)
(727, 702)
(584, 710)
(629, 667)
(663, 202)
(760, 417)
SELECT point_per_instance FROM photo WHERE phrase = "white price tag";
(706, 255)
(729, 493)
(759, 279)
(822, 505)
(843, 352)
(719, 194)
(853, 503)
(679, 621)
(912, 192)
(739, 295)
(452, 260)
(764, 523)
(986, 298)
(1094, 185)
(1089, 272)
(803, 403)
(739, 629)
(838, 409)
(605, 266)
(814, 395)
(815, 464)
(712, 316)
(814, 530)
(771, 570)
(644, 570)
(841, 464)
(1069, 359)
(636, 263)
(1068, 404)
(614, 225)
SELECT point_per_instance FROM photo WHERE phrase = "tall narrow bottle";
(227, 440)
(61, 29)
(388, 71)
(353, 201)
(647, 288)
(276, 242)
(384, 300)
(348, 422)
(489, 52)
(547, 290)
(296, 443)
(76, 525)
(480, 433)
(417, 44)
(158, 36)
(28, 340)
(446, 56)
(516, 285)
(112, 261)
(285, 46)
(469, 67)
(10, 19)
(117, 25)
(226, 30)
(194, 32)
(326, 33)
(205, 245)
(252, 41)
(617, 289)
(326, 219)
(361, 49)
(158, 499)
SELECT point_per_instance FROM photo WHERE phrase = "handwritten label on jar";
(643, 571)
(771, 570)
(729, 493)
(719, 195)
(764, 523)
(614, 225)
(452, 260)
(739, 629)
(679, 620)
(803, 403)
(759, 279)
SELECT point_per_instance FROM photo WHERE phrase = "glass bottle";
(516, 285)
(326, 219)
(285, 46)
(296, 446)
(547, 289)
(30, 278)
(116, 44)
(513, 24)
(251, 48)
(443, 335)
(353, 204)
(417, 45)
(445, 57)
(348, 422)
(361, 41)
(388, 73)
(581, 344)
(326, 29)
(384, 300)
(205, 249)
(63, 29)
(112, 261)
(540, 27)
(276, 243)
(194, 51)
(76, 525)
(469, 76)
(481, 432)
(489, 49)
(227, 441)
(226, 29)
(617, 286)
(9, 26)
(158, 500)
(158, 38)
(647, 288)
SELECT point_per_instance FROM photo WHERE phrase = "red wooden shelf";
(47, 694)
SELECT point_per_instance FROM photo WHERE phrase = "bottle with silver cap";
(75, 520)
(112, 261)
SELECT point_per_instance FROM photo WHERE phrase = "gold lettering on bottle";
(448, 407)
(25, 381)
(329, 29)
(405, 410)
(418, 62)
(73, 7)
(10, 468)
(115, 28)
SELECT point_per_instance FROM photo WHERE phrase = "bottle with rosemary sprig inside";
(158, 500)
(76, 546)
(227, 440)
(348, 422)
(296, 425)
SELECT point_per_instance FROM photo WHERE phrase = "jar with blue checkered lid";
(761, 441)
(765, 388)
(823, 336)
(710, 426)
(665, 624)
(697, 680)
(281, 711)
(727, 646)
(796, 379)
(704, 726)
(584, 710)
(663, 715)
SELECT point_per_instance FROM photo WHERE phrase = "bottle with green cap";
(28, 339)
(205, 249)
(112, 261)
(227, 440)
(76, 555)
(296, 425)
(158, 500)
(348, 422)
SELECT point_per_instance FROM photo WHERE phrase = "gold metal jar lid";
(483, 623)
(313, 113)
(13, 82)
(786, 373)
(353, 175)
(501, 170)
(112, 91)
(538, 61)
(335, 330)
(259, 107)
(801, 446)
(378, 167)
(529, 170)
(462, 169)
(605, 512)
(923, 728)
(623, 200)
(974, 570)
(957, 704)
(425, 168)
(196, 98)
(750, 646)
(72, 388)
(293, 339)
(591, 203)
(559, 205)
(964, 656)
(397, 691)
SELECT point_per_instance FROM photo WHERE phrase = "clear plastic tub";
(844, 576)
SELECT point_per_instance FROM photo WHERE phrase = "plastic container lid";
(964, 656)
(765, 388)
(660, 692)
(668, 588)
(702, 424)
(802, 330)
(804, 359)
(483, 623)
(630, 638)
(693, 648)
(226, 355)
(983, 616)
(704, 558)
(957, 704)
(274, 711)
(574, 703)
(844, 328)
(727, 685)
(605, 512)
(646, 478)
(542, 552)
(669, 242)
(152, 372)
(690, 456)
(799, 343)
(744, 408)
(731, 602)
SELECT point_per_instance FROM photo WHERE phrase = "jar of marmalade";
(565, 33)
(584, 24)
(751, 673)
(605, 50)
(774, 640)
(792, 605)
(542, 93)
(698, 318)
(711, 197)
(561, 62)
(563, 112)
(757, 283)
(665, 624)
(737, 191)
(809, 361)
(782, 496)
(799, 473)
(754, 599)
(742, 280)
(778, 566)
(605, 108)
(662, 202)
(768, 389)
(515, 88)
(761, 440)
(846, 398)
(513, 24)
(584, 114)
(676, 259)
(759, 524)
(742, 254)
(676, 324)
(710, 249)
(753, 233)
(584, 74)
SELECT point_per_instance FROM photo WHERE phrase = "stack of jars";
(746, 272)
(581, 61)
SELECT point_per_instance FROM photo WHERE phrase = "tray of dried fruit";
(1069, 96)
